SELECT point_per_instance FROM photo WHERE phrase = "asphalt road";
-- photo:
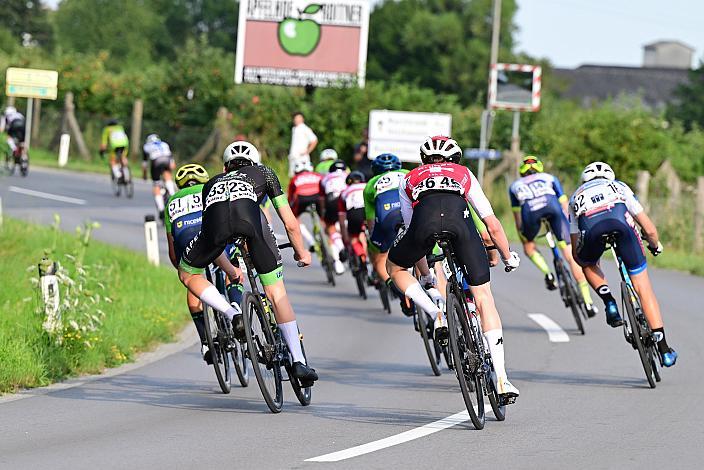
(584, 403)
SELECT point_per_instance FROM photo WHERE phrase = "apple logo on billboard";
(298, 36)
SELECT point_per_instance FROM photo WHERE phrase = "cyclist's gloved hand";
(428, 281)
(656, 250)
(512, 262)
(304, 259)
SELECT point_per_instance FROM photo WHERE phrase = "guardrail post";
(64, 146)
(151, 236)
(49, 285)
(136, 131)
(699, 216)
(642, 187)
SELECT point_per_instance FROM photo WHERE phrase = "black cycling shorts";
(443, 212)
(355, 221)
(300, 204)
(223, 222)
(16, 130)
(159, 166)
(330, 215)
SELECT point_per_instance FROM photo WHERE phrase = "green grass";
(147, 308)
(45, 158)
(692, 263)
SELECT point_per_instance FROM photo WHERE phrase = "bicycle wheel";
(496, 402)
(129, 189)
(360, 277)
(116, 186)
(384, 296)
(240, 362)
(628, 297)
(466, 360)
(303, 394)
(214, 336)
(24, 165)
(569, 290)
(430, 349)
(261, 350)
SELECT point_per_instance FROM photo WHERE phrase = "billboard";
(515, 87)
(302, 42)
(402, 132)
(31, 83)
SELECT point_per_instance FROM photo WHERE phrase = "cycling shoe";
(305, 375)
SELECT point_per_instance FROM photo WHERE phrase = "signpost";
(481, 154)
(31, 84)
(402, 132)
(302, 42)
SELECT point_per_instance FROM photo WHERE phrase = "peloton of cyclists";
(303, 192)
(603, 205)
(157, 156)
(331, 186)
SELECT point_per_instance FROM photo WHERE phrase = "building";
(668, 54)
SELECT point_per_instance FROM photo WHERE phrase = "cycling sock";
(337, 242)
(235, 292)
(170, 187)
(605, 293)
(290, 332)
(306, 235)
(199, 321)
(159, 202)
(586, 295)
(662, 344)
(539, 261)
(116, 171)
(416, 293)
(214, 299)
(495, 338)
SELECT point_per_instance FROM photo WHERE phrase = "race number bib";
(229, 190)
(597, 198)
(388, 182)
(185, 205)
(436, 183)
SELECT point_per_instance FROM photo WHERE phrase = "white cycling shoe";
(441, 332)
(506, 388)
(339, 267)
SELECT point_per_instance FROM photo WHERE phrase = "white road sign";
(402, 132)
(31, 83)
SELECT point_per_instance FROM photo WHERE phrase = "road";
(583, 402)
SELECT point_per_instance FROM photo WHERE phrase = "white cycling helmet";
(10, 110)
(300, 167)
(328, 154)
(151, 138)
(598, 170)
(241, 150)
(440, 146)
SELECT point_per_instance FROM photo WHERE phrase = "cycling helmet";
(328, 154)
(338, 165)
(191, 174)
(440, 146)
(151, 138)
(241, 150)
(598, 170)
(385, 162)
(10, 110)
(300, 167)
(530, 165)
(355, 177)
(112, 122)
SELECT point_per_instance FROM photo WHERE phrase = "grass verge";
(119, 306)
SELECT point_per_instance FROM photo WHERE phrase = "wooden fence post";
(642, 187)
(74, 127)
(136, 132)
(36, 120)
(699, 216)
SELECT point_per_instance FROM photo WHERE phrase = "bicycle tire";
(24, 165)
(116, 186)
(361, 279)
(304, 394)
(129, 189)
(495, 401)
(384, 296)
(261, 349)
(461, 347)
(240, 362)
(627, 298)
(429, 348)
(570, 293)
(213, 336)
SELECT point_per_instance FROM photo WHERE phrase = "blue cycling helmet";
(385, 162)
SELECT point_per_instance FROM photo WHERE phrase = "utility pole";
(486, 114)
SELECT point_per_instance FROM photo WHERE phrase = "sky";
(574, 32)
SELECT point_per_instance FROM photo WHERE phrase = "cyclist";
(231, 209)
(303, 192)
(114, 139)
(331, 187)
(157, 155)
(182, 221)
(327, 157)
(13, 123)
(538, 196)
(604, 205)
(351, 214)
(434, 199)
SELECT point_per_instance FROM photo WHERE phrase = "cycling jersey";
(381, 195)
(114, 137)
(351, 203)
(538, 197)
(331, 186)
(304, 191)
(158, 154)
(600, 207)
(324, 166)
(183, 216)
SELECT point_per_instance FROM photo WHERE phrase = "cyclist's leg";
(530, 226)
(169, 178)
(195, 307)
(114, 167)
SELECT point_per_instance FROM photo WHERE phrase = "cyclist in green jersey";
(115, 141)
(327, 157)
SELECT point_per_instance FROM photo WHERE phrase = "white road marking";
(397, 439)
(54, 197)
(555, 332)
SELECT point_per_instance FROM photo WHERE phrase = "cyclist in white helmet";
(157, 156)
(327, 157)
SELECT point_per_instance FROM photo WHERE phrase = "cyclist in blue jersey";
(604, 205)
(538, 196)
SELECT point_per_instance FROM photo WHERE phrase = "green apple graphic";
(298, 36)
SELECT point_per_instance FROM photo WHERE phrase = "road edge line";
(555, 332)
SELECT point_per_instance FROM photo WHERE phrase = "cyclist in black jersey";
(231, 209)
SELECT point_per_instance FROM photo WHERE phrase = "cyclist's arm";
(574, 229)
(369, 210)
(172, 251)
(649, 229)
(342, 216)
(406, 204)
(105, 137)
(280, 203)
(481, 204)
(233, 272)
(561, 196)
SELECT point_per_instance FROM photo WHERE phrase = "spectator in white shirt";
(303, 141)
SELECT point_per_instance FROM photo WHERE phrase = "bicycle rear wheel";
(569, 290)
(240, 362)
(628, 297)
(360, 276)
(261, 350)
(384, 295)
(214, 337)
(496, 402)
(466, 360)
(428, 343)
(304, 394)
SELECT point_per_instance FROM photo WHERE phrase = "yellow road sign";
(31, 83)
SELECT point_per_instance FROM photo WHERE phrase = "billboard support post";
(28, 132)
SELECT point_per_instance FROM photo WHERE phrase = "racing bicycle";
(470, 355)
(359, 270)
(124, 181)
(17, 158)
(636, 330)
(266, 348)
(322, 247)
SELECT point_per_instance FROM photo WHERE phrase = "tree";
(689, 104)
(26, 21)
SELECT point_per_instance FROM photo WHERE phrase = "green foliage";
(689, 104)
(26, 22)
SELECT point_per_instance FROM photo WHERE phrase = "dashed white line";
(397, 439)
(555, 332)
(43, 195)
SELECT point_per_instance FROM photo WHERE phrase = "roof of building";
(668, 41)
(589, 83)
